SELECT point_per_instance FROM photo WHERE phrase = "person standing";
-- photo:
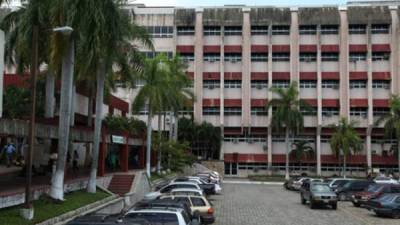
(9, 150)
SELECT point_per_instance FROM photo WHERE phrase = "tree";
(105, 48)
(392, 122)
(301, 150)
(345, 140)
(286, 115)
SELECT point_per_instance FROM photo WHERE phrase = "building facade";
(344, 58)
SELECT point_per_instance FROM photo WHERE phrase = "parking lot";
(254, 204)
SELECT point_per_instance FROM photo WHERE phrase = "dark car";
(345, 192)
(317, 193)
(208, 188)
(175, 203)
(99, 219)
(386, 205)
(373, 191)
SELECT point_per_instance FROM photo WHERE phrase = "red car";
(372, 192)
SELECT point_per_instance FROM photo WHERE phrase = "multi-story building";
(345, 59)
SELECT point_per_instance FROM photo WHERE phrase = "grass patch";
(46, 209)
(156, 176)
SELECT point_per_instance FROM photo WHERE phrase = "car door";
(306, 190)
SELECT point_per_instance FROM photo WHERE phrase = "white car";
(187, 191)
(159, 215)
(297, 184)
(169, 187)
(385, 180)
(200, 181)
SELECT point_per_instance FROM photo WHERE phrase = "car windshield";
(156, 218)
(348, 184)
(374, 188)
(387, 198)
(320, 188)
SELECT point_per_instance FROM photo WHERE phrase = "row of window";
(275, 30)
(304, 84)
(281, 138)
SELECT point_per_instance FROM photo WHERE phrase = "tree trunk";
(57, 184)
(50, 83)
(344, 165)
(159, 145)
(287, 177)
(73, 98)
(176, 119)
(90, 109)
(148, 143)
(171, 125)
(101, 74)
(398, 155)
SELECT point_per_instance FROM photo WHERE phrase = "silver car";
(317, 193)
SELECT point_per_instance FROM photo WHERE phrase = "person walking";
(75, 159)
(9, 150)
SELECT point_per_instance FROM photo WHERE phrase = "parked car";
(385, 180)
(374, 191)
(209, 188)
(198, 204)
(214, 177)
(317, 193)
(161, 215)
(99, 219)
(289, 183)
(169, 187)
(297, 184)
(386, 205)
(160, 203)
(187, 191)
(335, 183)
(345, 192)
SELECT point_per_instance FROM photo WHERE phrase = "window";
(361, 112)
(154, 54)
(358, 84)
(187, 57)
(310, 111)
(308, 29)
(160, 32)
(334, 84)
(385, 84)
(211, 111)
(232, 111)
(259, 111)
(380, 111)
(380, 56)
(280, 83)
(357, 56)
(278, 138)
(330, 111)
(329, 29)
(281, 30)
(259, 30)
(280, 57)
(329, 56)
(357, 29)
(211, 84)
(212, 31)
(232, 84)
(198, 202)
(233, 57)
(184, 31)
(308, 57)
(259, 84)
(259, 57)
(212, 57)
(380, 28)
(232, 31)
(169, 218)
(308, 84)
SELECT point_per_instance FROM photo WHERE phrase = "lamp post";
(27, 211)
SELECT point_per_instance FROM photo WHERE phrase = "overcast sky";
(232, 2)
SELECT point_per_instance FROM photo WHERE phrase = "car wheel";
(342, 197)
(312, 204)
(303, 201)
(356, 204)
(396, 214)
(334, 205)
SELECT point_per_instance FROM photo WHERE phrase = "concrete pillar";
(101, 170)
(221, 90)
(2, 43)
(269, 138)
(198, 66)
(369, 148)
(344, 63)
(319, 102)
(370, 99)
(269, 148)
(294, 45)
(394, 54)
(246, 69)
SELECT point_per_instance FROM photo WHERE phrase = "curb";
(251, 182)
(66, 217)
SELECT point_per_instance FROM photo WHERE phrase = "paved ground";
(255, 204)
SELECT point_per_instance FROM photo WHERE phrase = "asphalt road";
(257, 204)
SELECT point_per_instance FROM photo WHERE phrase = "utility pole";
(28, 213)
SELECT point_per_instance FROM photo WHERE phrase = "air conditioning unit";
(265, 147)
(259, 86)
(211, 87)
(328, 114)
(307, 59)
(234, 60)
(235, 141)
(167, 120)
(250, 141)
(212, 60)
(336, 87)
(373, 152)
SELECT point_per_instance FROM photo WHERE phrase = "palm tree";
(104, 48)
(345, 140)
(286, 115)
(302, 149)
(392, 122)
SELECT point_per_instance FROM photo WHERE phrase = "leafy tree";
(392, 123)
(176, 155)
(301, 150)
(345, 140)
(286, 115)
